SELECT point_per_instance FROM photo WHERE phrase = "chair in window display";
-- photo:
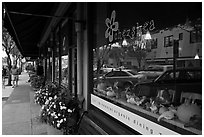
(193, 97)
(190, 112)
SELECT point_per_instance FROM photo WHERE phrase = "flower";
(112, 26)
(58, 109)
(47, 101)
(45, 94)
(58, 124)
(69, 110)
(61, 112)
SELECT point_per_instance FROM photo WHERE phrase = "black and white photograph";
(101, 67)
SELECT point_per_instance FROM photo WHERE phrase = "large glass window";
(64, 53)
(57, 69)
(121, 47)
(65, 69)
(122, 51)
(56, 52)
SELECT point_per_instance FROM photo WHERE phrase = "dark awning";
(25, 26)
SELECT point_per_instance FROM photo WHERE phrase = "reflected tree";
(100, 57)
(9, 46)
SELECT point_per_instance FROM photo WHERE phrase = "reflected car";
(126, 78)
(153, 71)
(186, 80)
(102, 72)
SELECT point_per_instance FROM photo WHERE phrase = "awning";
(27, 23)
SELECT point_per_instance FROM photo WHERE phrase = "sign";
(113, 33)
(136, 122)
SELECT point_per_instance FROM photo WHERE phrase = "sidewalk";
(20, 115)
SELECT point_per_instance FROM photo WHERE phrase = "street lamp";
(142, 38)
(148, 36)
(124, 43)
(175, 55)
(196, 56)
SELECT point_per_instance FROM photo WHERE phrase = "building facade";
(190, 45)
(69, 61)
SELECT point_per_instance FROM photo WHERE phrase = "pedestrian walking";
(15, 75)
(30, 69)
(4, 73)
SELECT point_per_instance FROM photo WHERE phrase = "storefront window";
(121, 39)
(48, 69)
(56, 52)
(57, 69)
(65, 69)
(122, 44)
(66, 35)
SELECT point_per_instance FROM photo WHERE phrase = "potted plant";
(60, 111)
(44, 93)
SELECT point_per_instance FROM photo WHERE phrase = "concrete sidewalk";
(20, 115)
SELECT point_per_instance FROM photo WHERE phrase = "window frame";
(168, 41)
(195, 36)
(180, 36)
(154, 43)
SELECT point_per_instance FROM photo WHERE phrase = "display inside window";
(135, 85)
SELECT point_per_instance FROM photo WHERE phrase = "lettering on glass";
(112, 26)
(134, 121)
(113, 33)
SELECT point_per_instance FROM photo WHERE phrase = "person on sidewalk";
(15, 73)
(30, 69)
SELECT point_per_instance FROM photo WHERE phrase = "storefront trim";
(132, 120)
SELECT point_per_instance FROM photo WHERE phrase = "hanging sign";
(113, 33)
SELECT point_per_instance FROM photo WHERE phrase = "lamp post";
(175, 55)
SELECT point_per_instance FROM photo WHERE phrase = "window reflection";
(65, 69)
(116, 53)
(56, 69)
